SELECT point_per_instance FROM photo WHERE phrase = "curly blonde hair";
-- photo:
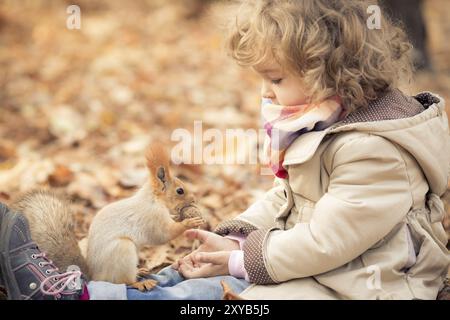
(326, 42)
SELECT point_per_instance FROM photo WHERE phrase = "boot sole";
(7, 278)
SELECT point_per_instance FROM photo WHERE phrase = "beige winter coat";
(360, 215)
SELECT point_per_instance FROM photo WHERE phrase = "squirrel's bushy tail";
(52, 227)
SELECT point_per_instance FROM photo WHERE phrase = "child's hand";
(211, 242)
(205, 264)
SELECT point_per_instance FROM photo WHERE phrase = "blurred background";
(79, 107)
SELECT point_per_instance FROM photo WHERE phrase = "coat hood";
(417, 124)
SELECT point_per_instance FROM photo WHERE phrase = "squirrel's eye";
(180, 191)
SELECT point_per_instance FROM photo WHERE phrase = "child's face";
(281, 87)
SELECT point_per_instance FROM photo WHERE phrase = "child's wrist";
(236, 265)
(237, 237)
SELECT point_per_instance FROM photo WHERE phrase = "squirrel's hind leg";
(121, 264)
(144, 285)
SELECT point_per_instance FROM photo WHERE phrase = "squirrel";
(52, 227)
(158, 212)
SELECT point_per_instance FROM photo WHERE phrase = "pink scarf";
(284, 124)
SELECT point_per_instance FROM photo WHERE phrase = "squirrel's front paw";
(193, 222)
(143, 272)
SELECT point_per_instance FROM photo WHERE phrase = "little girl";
(355, 209)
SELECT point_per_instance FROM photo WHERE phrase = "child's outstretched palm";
(211, 257)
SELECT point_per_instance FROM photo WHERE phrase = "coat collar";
(393, 111)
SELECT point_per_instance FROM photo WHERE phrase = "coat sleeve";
(260, 215)
(368, 194)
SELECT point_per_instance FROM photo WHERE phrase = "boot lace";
(54, 285)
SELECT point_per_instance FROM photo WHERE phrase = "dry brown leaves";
(79, 107)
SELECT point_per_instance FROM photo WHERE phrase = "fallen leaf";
(61, 176)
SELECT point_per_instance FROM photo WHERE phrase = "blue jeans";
(172, 286)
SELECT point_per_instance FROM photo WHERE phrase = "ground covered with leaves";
(79, 107)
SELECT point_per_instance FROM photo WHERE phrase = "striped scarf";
(283, 124)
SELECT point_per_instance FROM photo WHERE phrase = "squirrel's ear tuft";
(161, 174)
(158, 165)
